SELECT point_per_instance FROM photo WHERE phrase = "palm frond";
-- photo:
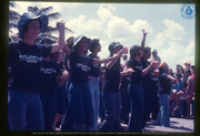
(44, 10)
(13, 15)
(54, 29)
(48, 36)
(13, 25)
(54, 15)
(12, 3)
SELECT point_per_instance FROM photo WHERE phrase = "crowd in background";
(66, 85)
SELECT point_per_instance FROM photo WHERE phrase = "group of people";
(62, 81)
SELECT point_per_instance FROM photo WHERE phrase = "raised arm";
(113, 58)
(61, 40)
(143, 39)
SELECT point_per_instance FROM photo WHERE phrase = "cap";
(31, 16)
(154, 51)
(79, 38)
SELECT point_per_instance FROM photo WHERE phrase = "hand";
(130, 71)
(60, 25)
(65, 73)
(125, 50)
(144, 32)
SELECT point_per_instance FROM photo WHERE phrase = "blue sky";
(171, 34)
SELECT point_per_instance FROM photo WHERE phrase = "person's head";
(164, 68)
(192, 69)
(135, 52)
(178, 77)
(54, 56)
(95, 46)
(124, 57)
(70, 42)
(154, 53)
(81, 44)
(178, 68)
(30, 25)
(188, 72)
(115, 47)
(147, 52)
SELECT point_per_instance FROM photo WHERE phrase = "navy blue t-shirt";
(146, 79)
(164, 84)
(112, 78)
(94, 67)
(49, 71)
(25, 62)
(136, 77)
(79, 67)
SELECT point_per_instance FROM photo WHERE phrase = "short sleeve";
(129, 63)
(45, 49)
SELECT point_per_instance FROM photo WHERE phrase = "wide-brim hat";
(79, 38)
(154, 51)
(31, 16)
(114, 45)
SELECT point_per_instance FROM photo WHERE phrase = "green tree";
(52, 16)
(13, 16)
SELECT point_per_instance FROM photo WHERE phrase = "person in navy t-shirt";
(111, 92)
(50, 78)
(93, 83)
(80, 106)
(146, 85)
(135, 86)
(25, 57)
(164, 92)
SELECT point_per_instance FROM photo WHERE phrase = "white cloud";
(121, 29)
(174, 31)
(173, 45)
(104, 12)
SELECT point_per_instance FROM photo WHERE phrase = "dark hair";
(77, 47)
(179, 75)
(94, 44)
(54, 56)
(147, 49)
(134, 51)
(161, 71)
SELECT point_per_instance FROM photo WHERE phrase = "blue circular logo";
(188, 11)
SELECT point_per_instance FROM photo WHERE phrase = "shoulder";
(43, 46)
(164, 75)
(129, 62)
(14, 44)
(73, 54)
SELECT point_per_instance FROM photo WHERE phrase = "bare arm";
(171, 78)
(117, 56)
(127, 71)
(147, 69)
(61, 40)
(62, 79)
(143, 39)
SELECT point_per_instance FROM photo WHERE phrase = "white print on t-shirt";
(83, 67)
(30, 59)
(139, 67)
(48, 70)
